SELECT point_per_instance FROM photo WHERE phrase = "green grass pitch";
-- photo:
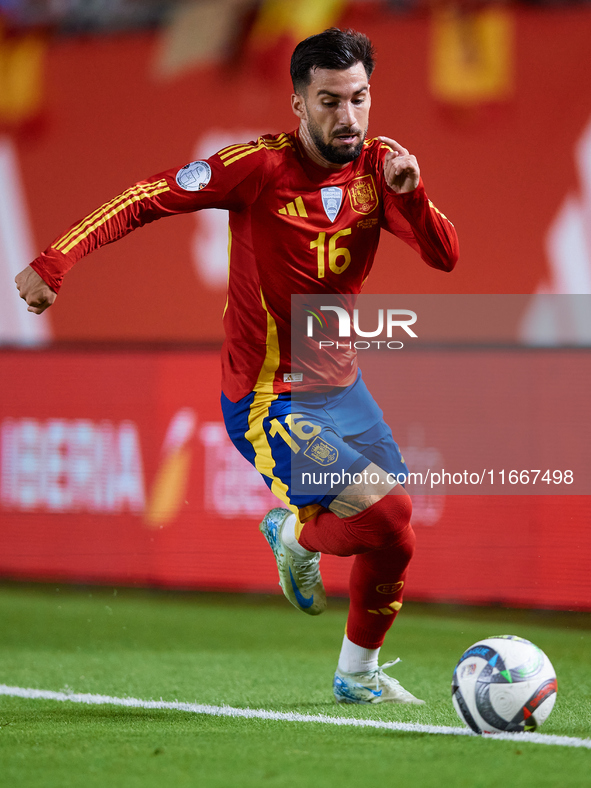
(258, 652)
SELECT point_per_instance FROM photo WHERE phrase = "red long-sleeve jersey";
(295, 228)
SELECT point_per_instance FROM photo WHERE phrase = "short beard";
(329, 152)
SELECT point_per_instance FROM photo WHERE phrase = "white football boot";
(298, 577)
(375, 686)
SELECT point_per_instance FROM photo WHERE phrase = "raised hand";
(401, 169)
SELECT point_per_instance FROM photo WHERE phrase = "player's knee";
(405, 548)
(397, 512)
(401, 551)
(394, 513)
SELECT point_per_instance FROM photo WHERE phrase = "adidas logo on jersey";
(295, 208)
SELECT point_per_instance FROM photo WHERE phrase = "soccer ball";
(503, 684)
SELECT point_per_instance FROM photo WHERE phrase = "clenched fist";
(34, 290)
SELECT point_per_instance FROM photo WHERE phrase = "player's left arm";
(423, 226)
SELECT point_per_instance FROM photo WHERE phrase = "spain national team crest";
(363, 195)
(321, 452)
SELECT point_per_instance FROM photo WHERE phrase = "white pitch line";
(282, 716)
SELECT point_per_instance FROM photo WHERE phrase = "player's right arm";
(230, 179)
(34, 290)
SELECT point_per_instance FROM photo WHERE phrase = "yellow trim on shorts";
(305, 514)
(259, 411)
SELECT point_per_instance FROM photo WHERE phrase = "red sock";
(375, 588)
(383, 540)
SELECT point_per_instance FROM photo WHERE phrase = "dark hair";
(335, 49)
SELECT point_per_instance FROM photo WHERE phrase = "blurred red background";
(500, 169)
(510, 166)
(130, 478)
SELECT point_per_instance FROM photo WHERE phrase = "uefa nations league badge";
(194, 176)
(332, 198)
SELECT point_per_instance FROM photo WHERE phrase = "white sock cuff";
(357, 659)
(288, 538)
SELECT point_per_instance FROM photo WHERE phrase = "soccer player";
(306, 210)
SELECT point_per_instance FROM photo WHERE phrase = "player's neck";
(312, 151)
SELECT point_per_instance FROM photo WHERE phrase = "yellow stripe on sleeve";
(147, 190)
(249, 146)
(236, 149)
(436, 209)
(225, 152)
(104, 218)
(77, 228)
(260, 146)
(253, 150)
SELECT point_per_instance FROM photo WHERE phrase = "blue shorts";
(308, 446)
